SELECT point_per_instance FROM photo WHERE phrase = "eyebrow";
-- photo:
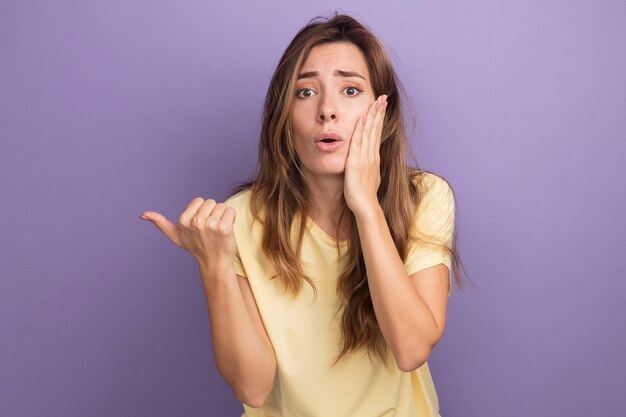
(337, 73)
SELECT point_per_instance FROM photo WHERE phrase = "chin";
(327, 167)
(330, 169)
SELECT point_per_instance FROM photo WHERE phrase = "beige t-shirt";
(305, 334)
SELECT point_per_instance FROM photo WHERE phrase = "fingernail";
(143, 217)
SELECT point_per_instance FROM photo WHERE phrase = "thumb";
(168, 228)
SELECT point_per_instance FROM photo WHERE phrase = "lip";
(328, 147)
(327, 135)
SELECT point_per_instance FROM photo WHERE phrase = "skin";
(331, 102)
(410, 310)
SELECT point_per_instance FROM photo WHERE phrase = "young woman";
(327, 277)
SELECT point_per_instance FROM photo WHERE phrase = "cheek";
(358, 112)
(300, 119)
(299, 134)
(364, 105)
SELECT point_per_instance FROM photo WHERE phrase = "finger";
(357, 134)
(377, 129)
(364, 120)
(229, 215)
(190, 211)
(168, 228)
(203, 212)
(213, 220)
(369, 122)
(227, 221)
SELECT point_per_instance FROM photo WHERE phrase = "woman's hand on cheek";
(362, 174)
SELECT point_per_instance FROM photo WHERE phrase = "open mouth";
(328, 141)
(328, 144)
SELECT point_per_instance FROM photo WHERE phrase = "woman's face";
(332, 91)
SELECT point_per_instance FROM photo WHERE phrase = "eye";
(352, 91)
(305, 92)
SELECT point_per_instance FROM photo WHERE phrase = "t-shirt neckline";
(321, 233)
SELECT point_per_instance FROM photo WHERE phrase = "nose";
(329, 116)
(327, 110)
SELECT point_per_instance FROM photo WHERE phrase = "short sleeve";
(239, 270)
(433, 227)
(240, 203)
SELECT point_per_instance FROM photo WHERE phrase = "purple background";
(110, 108)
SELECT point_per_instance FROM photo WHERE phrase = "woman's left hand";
(362, 174)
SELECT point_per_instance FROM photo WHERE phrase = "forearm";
(242, 358)
(405, 320)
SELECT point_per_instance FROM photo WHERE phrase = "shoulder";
(431, 186)
(436, 205)
(247, 226)
(240, 200)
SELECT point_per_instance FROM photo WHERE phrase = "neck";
(326, 201)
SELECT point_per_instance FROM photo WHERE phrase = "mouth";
(327, 137)
(328, 142)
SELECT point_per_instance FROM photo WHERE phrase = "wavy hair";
(280, 199)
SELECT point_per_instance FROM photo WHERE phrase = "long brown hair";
(280, 199)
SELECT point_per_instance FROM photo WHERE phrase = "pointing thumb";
(163, 224)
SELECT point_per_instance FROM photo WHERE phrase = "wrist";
(216, 270)
(368, 213)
